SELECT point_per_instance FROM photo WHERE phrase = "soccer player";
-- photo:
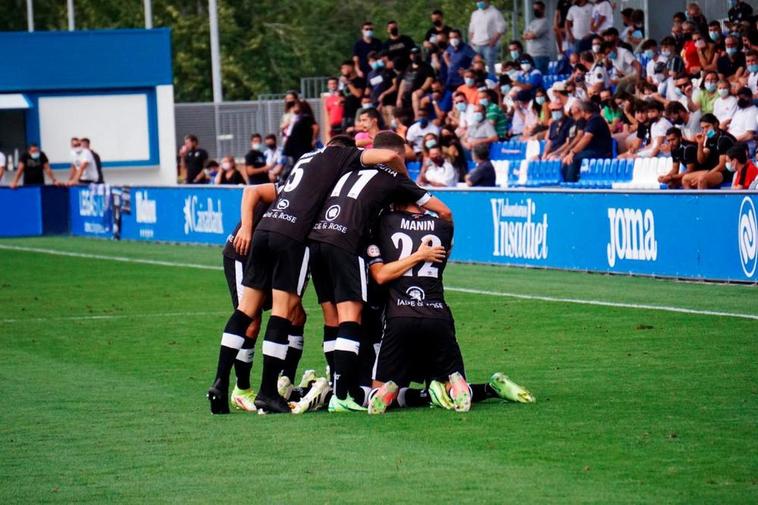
(419, 331)
(339, 271)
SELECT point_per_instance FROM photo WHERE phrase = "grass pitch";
(105, 365)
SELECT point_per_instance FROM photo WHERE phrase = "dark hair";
(668, 41)
(270, 136)
(611, 32)
(674, 131)
(372, 113)
(341, 140)
(190, 136)
(627, 12)
(391, 22)
(437, 12)
(588, 106)
(367, 23)
(456, 30)
(679, 16)
(710, 119)
(389, 140)
(85, 139)
(675, 107)
(254, 135)
(482, 151)
(742, 91)
(648, 44)
(211, 163)
(32, 144)
(372, 55)
(518, 44)
(349, 63)
(738, 152)
(331, 78)
(655, 105)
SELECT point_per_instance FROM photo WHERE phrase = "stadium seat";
(533, 149)
(414, 168)
(502, 168)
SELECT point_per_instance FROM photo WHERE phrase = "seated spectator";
(706, 96)
(494, 114)
(712, 146)
(524, 113)
(725, 105)
(743, 125)
(558, 133)
(639, 133)
(229, 173)
(596, 142)
(637, 33)
(480, 131)
(515, 50)
(611, 112)
(469, 87)
(731, 60)
(529, 78)
(453, 151)
(683, 158)
(458, 117)
(255, 161)
(535, 129)
(209, 173)
(739, 11)
(368, 123)
(659, 125)
(627, 70)
(741, 166)
(437, 171)
(680, 117)
(750, 78)
(484, 173)
(416, 132)
(415, 81)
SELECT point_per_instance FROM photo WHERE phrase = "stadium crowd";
(690, 96)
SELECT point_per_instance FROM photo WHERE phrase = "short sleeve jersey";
(685, 154)
(419, 292)
(33, 174)
(308, 184)
(229, 250)
(356, 201)
(718, 145)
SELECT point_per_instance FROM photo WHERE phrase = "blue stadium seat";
(614, 148)
(414, 168)
(606, 175)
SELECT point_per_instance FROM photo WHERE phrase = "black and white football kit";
(279, 256)
(419, 332)
(337, 267)
(235, 264)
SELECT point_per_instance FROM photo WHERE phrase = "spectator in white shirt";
(579, 21)
(659, 125)
(437, 171)
(416, 132)
(602, 16)
(83, 166)
(485, 29)
(480, 131)
(751, 60)
(628, 69)
(725, 105)
(744, 121)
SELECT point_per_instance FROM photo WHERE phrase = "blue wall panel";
(20, 212)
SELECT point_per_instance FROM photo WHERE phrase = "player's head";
(341, 141)
(390, 140)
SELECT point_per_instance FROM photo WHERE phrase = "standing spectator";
(537, 36)
(256, 168)
(274, 158)
(438, 27)
(229, 173)
(559, 24)
(83, 166)
(725, 105)
(458, 56)
(485, 29)
(744, 169)
(602, 16)
(479, 131)
(334, 107)
(285, 124)
(743, 125)
(33, 165)
(192, 159)
(595, 142)
(388, 96)
(484, 173)
(368, 121)
(712, 146)
(683, 155)
(98, 162)
(398, 47)
(301, 138)
(415, 82)
(578, 23)
(352, 87)
(437, 171)
(740, 11)
(363, 46)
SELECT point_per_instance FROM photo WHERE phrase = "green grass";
(634, 406)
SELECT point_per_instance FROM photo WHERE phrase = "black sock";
(232, 341)
(275, 344)
(407, 397)
(294, 352)
(481, 392)
(243, 363)
(330, 336)
(346, 358)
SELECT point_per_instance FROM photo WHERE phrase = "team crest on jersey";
(373, 251)
(333, 212)
(282, 204)
(416, 293)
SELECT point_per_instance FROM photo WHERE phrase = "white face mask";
(723, 92)
(226, 165)
(454, 42)
(256, 146)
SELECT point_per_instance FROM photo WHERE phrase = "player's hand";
(242, 240)
(431, 253)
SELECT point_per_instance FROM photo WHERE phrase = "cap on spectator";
(415, 50)
(560, 87)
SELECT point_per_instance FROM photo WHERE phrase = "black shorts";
(234, 272)
(338, 275)
(418, 350)
(276, 262)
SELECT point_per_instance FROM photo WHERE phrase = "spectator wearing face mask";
(743, 168)
(725, 105)
(469, 87)
(458, 118)
(415, 82)
(479, 131)
(715, 34)
(595, 143)
(363, 46)
(458, 56)
(436, 171)
(697, 53)
(528, 78)
(493, 113)
(712, 146)
(438, 28)
(416, 132)
(274, 159)
(705, 98)
(732, 60)
(83, 166)
(743, 125)
(558, 132)
(602, 16)
(627, 69)
(398, 47)
(611, 112)
(659, 125)
(32, 167)
(255, 161)
(515, 50)
(740, 11)
(637, 31)
(290, 99)
(539, 117)
(537, 37)
(485, 28)
(483, 176)
(229, 173)
(683, 158)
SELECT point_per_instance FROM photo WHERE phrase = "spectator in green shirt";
(495, 114)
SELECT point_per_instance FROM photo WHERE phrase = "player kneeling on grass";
(419, 333)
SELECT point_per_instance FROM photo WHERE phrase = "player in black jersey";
(339, 271)
(419, 341)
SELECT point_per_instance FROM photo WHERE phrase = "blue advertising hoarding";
(21, 211)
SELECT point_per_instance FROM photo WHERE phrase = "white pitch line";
(553, 299)
(113, 316)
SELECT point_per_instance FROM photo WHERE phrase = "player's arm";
(384, 157)
(250, 197)
(387, 272)
(436, 205)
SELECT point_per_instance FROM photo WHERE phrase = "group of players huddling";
(376, 246)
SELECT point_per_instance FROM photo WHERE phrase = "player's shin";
(294, 353)
(330, 337)
(232, 341)
(275, 346)
(346, 358)
(409, 397)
